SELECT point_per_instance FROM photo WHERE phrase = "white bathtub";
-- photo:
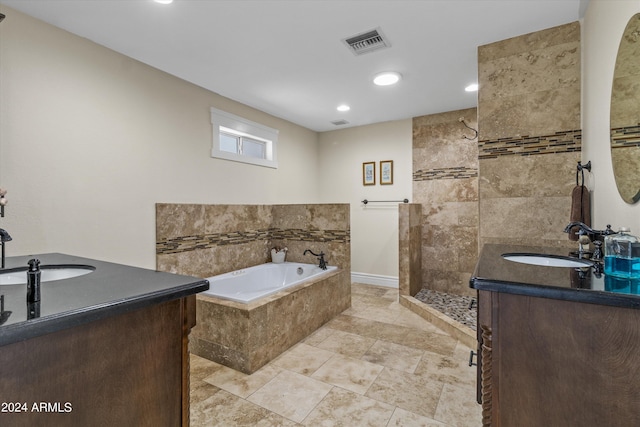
(259, 281)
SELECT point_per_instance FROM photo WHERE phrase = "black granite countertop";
(494, 273)
(111, 289)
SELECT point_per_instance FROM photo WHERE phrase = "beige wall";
(603, 25)
(91, 140)
(374, 227)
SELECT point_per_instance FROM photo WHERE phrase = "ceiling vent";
(367, 42)
(340, 122)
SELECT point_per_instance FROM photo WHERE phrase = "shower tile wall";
(445, 183)
(205, 240)
(512, 184)
(410, 248)
(530, 136)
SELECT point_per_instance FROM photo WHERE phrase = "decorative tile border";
(559, 142)
(628, 136)
(206, 241)
(459, 172)
(336, 236)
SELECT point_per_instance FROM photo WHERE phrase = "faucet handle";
(597, 251)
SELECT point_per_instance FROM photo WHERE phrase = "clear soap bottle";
(622, 255)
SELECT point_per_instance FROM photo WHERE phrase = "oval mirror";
(625, 114)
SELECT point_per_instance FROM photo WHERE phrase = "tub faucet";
(4, 237)
(322, 263)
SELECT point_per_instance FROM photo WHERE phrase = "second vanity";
(107, 348)
(557, 346)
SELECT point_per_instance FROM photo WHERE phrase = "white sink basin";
(547, 260)
(48, 273)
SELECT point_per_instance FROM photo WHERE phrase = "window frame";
(228, 123)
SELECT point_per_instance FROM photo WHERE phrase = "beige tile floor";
(376, 364)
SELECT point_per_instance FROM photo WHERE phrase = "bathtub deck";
(247, 336)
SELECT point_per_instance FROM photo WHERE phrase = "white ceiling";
(287, 58)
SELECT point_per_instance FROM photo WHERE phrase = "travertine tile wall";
(205, 240)
(530, 136)
(512, 184)
(445, 183)
(410, 247)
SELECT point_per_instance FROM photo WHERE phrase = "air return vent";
(367, 42)
(340, 122)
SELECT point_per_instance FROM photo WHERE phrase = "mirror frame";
(624, 121)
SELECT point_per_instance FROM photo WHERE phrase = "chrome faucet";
(322, 263)
(4, 237)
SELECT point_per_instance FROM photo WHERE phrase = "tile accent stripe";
(337, 236)
(559, 142)
(628, 136)
(206, 241)
(459, 172)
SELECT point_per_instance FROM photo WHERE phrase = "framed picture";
(386, 172)
(369, 173)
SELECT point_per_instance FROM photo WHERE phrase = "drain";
(299, 271)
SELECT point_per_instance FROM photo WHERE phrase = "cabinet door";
(564, 363)
(118, 371)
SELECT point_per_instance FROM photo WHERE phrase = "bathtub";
(250, 284)
(243, 321)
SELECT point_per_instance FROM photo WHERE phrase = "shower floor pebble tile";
(454, 306)
(357, 370)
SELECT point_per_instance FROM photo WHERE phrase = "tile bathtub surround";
(205, 240)
(247, 336)
(376, 364)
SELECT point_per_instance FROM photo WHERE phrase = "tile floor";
(376, 364)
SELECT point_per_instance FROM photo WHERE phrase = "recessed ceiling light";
(343, 107)
(387, 78)
(163, 1)
(472, 87)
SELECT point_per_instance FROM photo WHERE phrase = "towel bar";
(365, 201)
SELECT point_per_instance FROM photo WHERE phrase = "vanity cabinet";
(109, 348)
(127, 370)
(548, 362)
(555, 346)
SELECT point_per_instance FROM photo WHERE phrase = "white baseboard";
(374, 279)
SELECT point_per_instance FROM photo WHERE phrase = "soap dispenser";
(622, 255)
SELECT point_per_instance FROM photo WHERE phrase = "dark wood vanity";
(109, 349)
(557, 346)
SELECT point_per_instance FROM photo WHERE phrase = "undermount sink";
(18, 276)
(547, 260)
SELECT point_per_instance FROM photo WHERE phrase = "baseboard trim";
(375, 279)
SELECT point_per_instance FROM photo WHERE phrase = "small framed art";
(386, 172)
(369, 173)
